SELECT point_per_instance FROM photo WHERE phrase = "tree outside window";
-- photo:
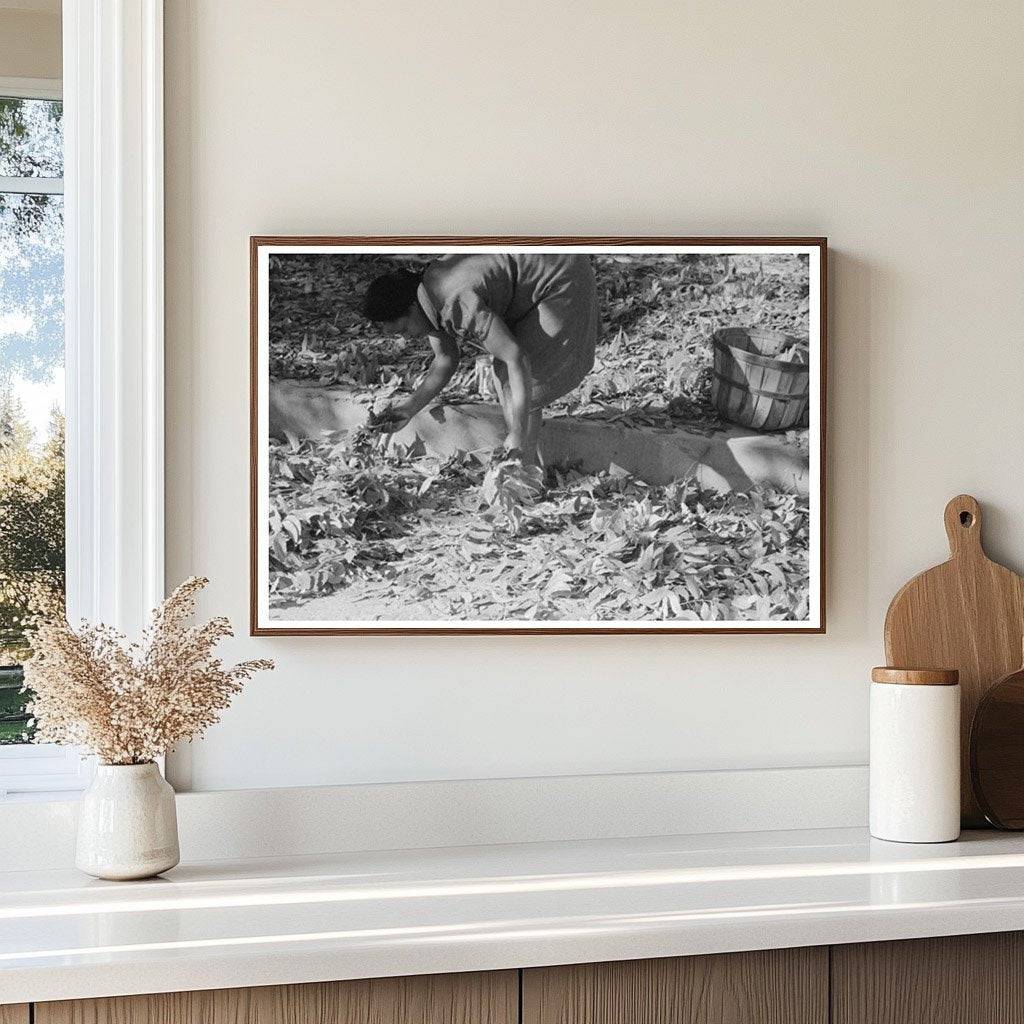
(31, 387)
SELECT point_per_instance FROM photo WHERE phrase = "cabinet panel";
(962, 979)
(482, 998)
(779, 986)
(14, 1013)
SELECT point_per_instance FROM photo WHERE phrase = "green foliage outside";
(31, 548)
(14, 726)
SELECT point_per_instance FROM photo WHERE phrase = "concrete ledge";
(727, 460)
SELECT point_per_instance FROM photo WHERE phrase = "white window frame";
(32, 88)
(114, 325)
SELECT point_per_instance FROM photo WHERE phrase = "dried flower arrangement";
(129, 703)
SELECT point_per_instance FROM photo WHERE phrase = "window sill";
(42, 771)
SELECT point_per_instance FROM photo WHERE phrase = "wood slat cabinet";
(962, 979)
(482, 998)
(775, 986)
(969, 979)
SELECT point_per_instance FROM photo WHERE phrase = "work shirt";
(548, 301)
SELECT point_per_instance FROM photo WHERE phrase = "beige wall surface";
(895, 129)
(29, 43)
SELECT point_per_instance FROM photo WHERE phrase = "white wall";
(895, 129)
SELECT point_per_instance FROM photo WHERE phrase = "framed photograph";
(537, 435)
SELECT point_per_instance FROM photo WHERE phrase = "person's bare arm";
(442, 369)
(501, 344)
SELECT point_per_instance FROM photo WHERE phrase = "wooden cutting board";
(967, 614)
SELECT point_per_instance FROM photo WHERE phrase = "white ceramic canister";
(915, 755)
(127, 825)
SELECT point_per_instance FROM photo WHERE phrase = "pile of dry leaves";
(487, 538)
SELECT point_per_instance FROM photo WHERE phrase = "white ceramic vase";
(127, 825)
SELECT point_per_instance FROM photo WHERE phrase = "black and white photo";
(537, 435)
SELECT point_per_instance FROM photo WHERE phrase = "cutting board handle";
(963, 526)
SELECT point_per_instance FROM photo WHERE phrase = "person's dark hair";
(389, 296)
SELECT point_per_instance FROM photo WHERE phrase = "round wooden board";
(997, 752)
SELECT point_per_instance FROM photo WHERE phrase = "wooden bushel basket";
(753, 388)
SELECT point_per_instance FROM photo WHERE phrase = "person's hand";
(514, 442)
(392, 418)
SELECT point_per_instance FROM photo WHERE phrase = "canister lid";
(916, 676)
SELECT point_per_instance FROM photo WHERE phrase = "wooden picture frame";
(262, 622)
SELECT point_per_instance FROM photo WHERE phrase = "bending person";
(535, 314)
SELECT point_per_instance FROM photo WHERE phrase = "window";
(32, 513)
(107, 143)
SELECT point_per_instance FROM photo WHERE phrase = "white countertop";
(261, 922)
